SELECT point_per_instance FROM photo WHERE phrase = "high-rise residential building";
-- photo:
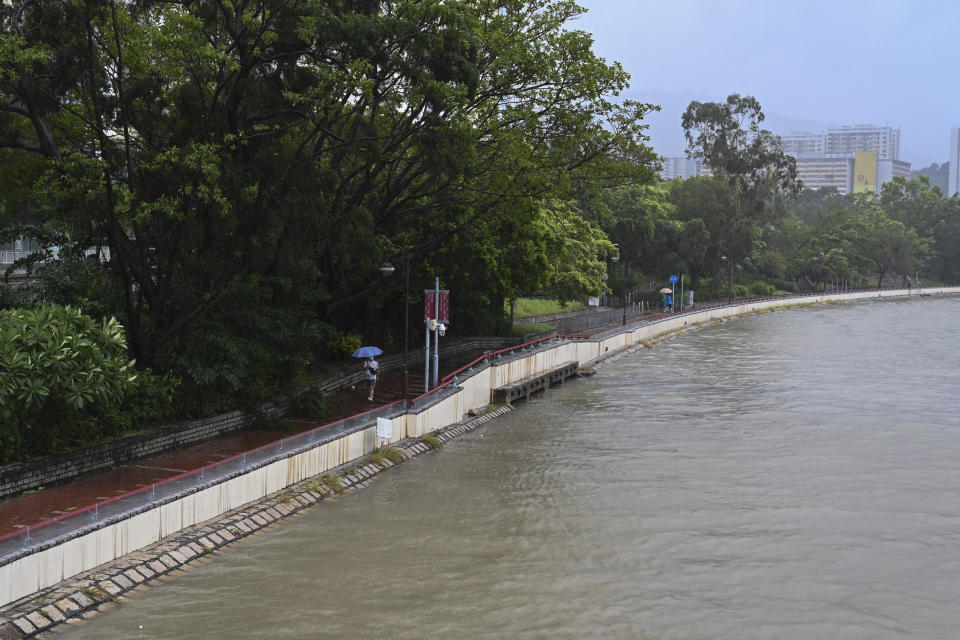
(884, 141)
(802, 144)
(679, 167)
(953, 181)
(849, 159)
(826, 173)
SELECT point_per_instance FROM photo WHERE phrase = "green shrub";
(392, 454)
(740, 291)
(783, 285)
(60, 371)
(308, 404)
(761, 288)
(531, 327)
(527, 307)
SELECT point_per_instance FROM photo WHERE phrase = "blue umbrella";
(367, 352)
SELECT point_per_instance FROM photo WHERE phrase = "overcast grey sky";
(810, 63)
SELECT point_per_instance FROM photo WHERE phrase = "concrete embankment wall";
(49, 564)
(26, 476)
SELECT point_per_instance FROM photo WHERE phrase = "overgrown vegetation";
(332, 483)
(392, 454)
(431, 440)
(529, 307)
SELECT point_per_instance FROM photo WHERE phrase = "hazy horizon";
(812, 65)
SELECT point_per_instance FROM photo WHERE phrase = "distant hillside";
(937, 173)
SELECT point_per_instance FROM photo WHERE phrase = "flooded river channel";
(788, 475)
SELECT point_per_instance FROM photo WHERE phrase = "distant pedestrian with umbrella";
(371, 367)
(666, 294)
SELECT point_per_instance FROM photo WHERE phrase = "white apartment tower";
(953, 184)
(679, 167)
(849, 159)
(884, 141)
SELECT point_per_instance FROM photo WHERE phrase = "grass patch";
(527, 307)
(392, 454)
(531, 327)
(431, 441)
(97, 594)
(647, 343)
(332, 483)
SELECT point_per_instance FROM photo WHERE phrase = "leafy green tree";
(891, 247)
(707, 207)
(55, 362)
(727, 137)
(249, 165)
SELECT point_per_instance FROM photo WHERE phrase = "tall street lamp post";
(386, 269)
(626, 274)
(616, 258)
(730, 281)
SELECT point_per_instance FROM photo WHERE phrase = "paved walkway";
(29, 509)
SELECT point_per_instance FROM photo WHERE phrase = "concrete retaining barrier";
(36, 568)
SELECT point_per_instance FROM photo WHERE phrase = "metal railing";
(69, 525)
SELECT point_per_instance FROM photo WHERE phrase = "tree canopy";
(244, 167)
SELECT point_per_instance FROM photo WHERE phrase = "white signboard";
(384, 428)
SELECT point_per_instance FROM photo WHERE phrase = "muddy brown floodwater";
(791, 475)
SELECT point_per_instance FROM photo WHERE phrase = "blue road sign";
(673, 279)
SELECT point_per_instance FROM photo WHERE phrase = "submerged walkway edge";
(26, 579)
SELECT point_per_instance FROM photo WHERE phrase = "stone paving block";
(55, 614)
(267, 516)
(186, 552)
(259, 519)
(110, 587)
(279, 511)
(243, 526)
(39, 620)
(196, 548)
(81, 599)
(314, 495)
(67, 606)
(207, 541)
(171, 561)
(179, 557)
(226, 535)
(24, 625)
(122, 581)
(134, 575)
(157, 567)
(215, 539)
(145, 571)
(9, 631)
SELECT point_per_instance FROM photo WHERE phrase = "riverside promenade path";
(27, 510)
(34, 507)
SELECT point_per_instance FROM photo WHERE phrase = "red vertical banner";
(428, 306)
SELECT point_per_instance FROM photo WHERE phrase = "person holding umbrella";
(370, 367)
(667, 296)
